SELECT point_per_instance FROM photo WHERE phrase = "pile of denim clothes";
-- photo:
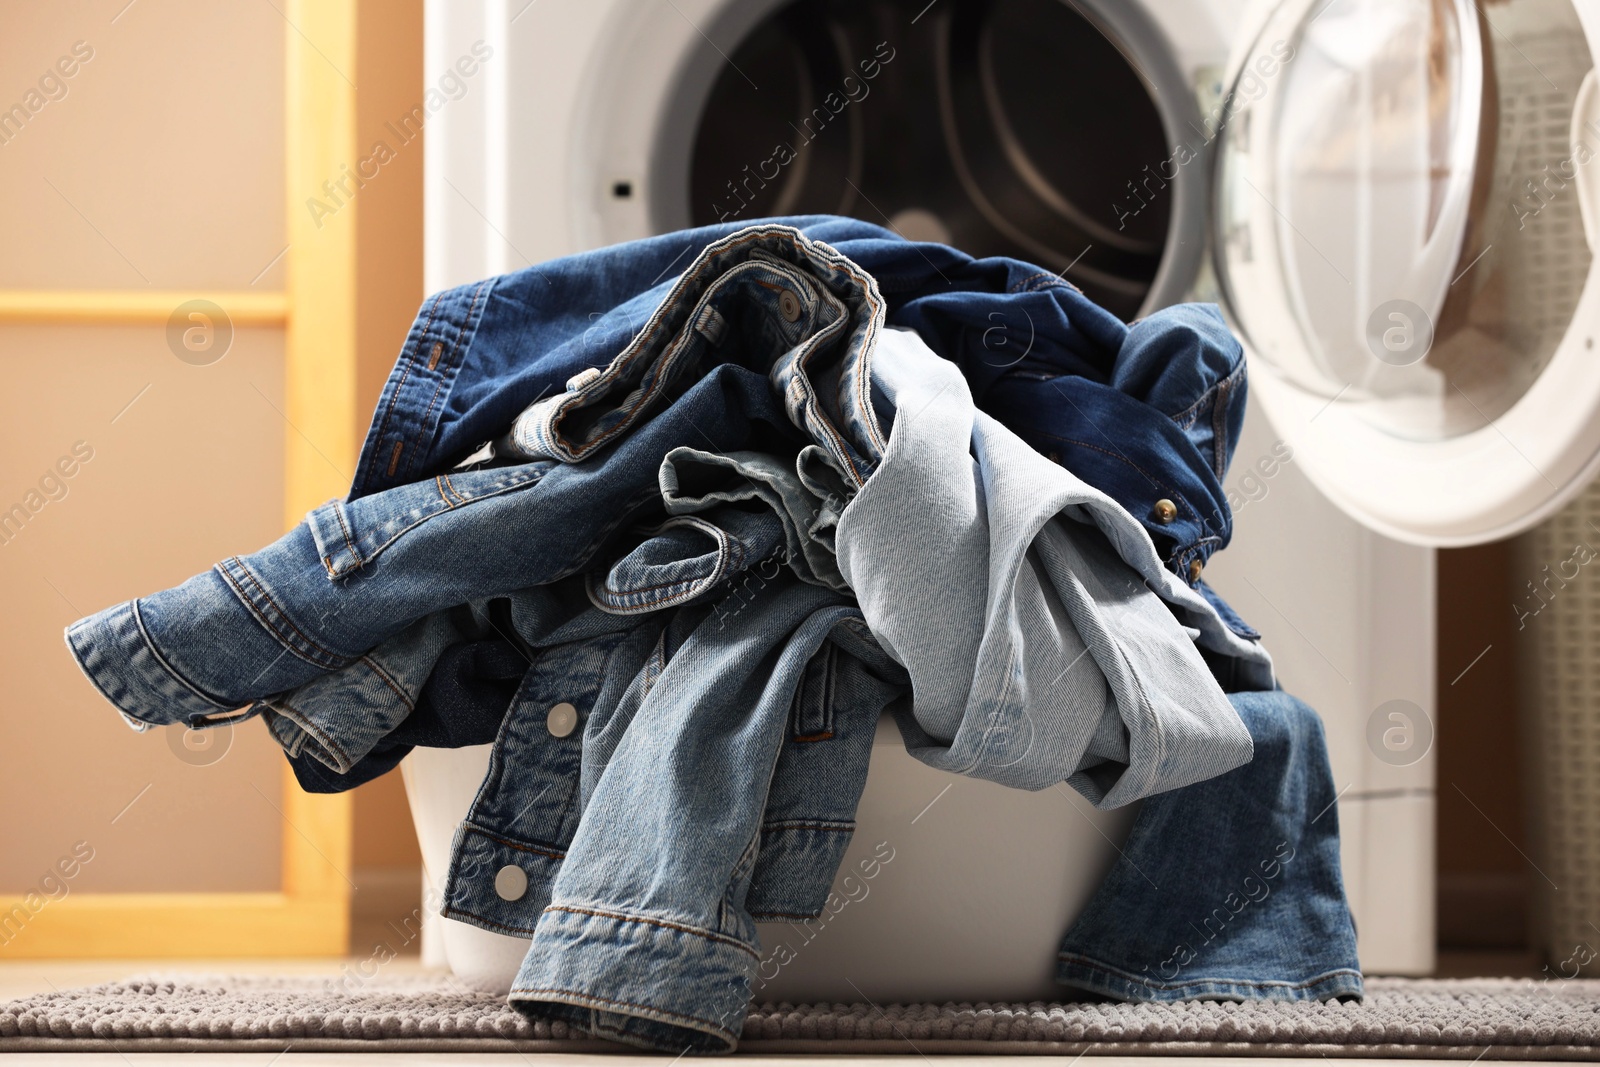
(673, 523)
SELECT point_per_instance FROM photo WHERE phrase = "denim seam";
(312, 649)
(1051, 281)
(155, 653)
(1189, 414)
(349, 542)
(709, 935)
(646, 395)
(310, 728)
(473, 828)
(730, 557)
(145, 723)
(450, 911)
(658, 321)
(394, 398)
(455, 346)
(1219, 425)
(362, 559)
(588, 1001)
(1105, 968)
(665, 311)
(841, 828)
(394, 686)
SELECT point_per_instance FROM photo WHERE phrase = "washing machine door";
(1405, 207)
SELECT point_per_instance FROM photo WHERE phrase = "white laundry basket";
(980, 884)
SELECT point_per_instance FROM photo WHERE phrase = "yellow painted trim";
(115, 307)
(320, 397)
(320, 386)
(311, 915)
(85, 925)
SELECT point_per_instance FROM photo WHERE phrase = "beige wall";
(161, 167)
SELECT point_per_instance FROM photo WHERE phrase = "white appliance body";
(580, 100)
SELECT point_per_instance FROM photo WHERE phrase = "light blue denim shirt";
(1044, 640)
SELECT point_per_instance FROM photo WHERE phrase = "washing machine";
(1393, 201)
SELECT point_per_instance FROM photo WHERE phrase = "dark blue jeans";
(1230, 888)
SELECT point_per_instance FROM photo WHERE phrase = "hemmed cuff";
(648, 982)
(115, 654)
(1083, 973)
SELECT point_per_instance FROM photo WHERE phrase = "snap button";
(1195, 566)
(789, 304)
(510, 882)
(1165, 511)
(562, 720)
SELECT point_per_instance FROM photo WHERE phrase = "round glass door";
(1401, 242)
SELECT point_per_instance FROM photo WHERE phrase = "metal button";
(510, 882)
(789, 304)
(1165, 511)
(562, 720)
(1195, 566)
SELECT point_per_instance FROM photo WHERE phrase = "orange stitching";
(391, 683)
(456, 344)
(626, 1004)
(269, 623)
(707, 934)
(405, 374)
(516, 846)
(338, 513)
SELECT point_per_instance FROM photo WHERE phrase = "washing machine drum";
(1399, 199)
(1002, 127)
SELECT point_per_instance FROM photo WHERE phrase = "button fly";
(562, 720)
(789, 304)
(510, 882)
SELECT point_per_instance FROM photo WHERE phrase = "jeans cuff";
(114, 652)
(1082, 972)
(653, 983)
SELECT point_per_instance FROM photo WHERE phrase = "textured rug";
(1464, 1019)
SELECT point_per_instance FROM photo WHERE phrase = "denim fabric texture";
(1028, 609)
(1037, 354)
(1230, 888)
(614, 513)
(277, 623)
(693, 480)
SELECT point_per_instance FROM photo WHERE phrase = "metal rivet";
(789, 304)
(1195, 567)
(562, 720)
(1165, 511)
(510, 882)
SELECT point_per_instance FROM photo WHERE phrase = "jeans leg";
(1229, 889)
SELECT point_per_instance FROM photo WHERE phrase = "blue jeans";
(1230, 888)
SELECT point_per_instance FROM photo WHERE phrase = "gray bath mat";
(1465, 1019)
